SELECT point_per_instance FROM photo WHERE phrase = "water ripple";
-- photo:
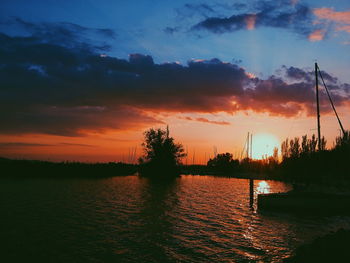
(129, 219)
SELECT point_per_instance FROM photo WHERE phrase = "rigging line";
(330, 99)
(245, 143)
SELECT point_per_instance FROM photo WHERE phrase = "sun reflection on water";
(263, 188)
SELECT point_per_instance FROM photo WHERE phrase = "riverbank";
(333, 247)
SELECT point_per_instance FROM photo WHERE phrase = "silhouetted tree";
(312, 143)
(323, 144)
(343, 141)
(305, 146)
(275, 154)
(305, 162)
(161, 153)
(285, 149)
(294, 149)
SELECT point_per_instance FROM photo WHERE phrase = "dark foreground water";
(128, 219)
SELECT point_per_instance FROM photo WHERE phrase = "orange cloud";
(212, 122)
(344, 28)
(317, 35)
(201, 119)
(250, 75)
(342, 18)
(330, 14)
(250, 22)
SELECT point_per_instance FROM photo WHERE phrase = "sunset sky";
(82, 80)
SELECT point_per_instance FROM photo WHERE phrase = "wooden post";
(251, 193)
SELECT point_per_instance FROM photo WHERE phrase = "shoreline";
(331, 247)
(16, 168)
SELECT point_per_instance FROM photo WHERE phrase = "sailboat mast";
(251, 146)
(318, 108)
(248, 145)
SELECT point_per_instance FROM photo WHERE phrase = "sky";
(82, 80)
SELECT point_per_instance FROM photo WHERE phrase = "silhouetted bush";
(223, 163)
(162, 156)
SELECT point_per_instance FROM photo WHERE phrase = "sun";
(263, 145)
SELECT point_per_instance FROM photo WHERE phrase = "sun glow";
(263, 145)
(263, 188)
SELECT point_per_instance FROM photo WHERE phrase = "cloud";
(73, 90)
(63, 33)
(26, 144)
(71, 121)
(290, 15)
(192, 10)
(327, 16)
(212, 122)
(76, 144)
(330, 14)
(171, 30)
(317, 35)
(22, 144)
(307, 75)
(205, 120)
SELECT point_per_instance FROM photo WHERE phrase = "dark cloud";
(298, 74)
(193, 10)
(190, 13)
(308, 76)
(277, 14)
(346, 87)
(73, 90)
(63, 33)
(74, 121)
(277, 96)
(171, 30)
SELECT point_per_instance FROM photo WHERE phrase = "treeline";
(296, 148)
(303, 160)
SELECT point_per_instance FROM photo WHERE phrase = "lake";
(132, 219)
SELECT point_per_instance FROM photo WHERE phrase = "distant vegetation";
(223, 163)
(30, 168)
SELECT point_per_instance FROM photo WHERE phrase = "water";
(128, 219)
